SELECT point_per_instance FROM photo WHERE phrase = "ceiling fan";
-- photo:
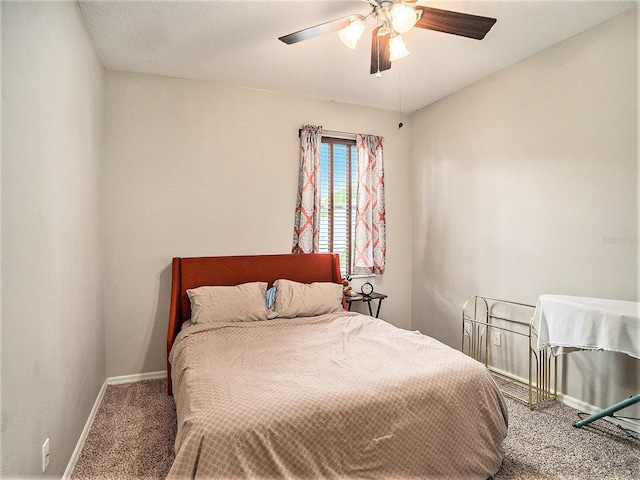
(394, 17)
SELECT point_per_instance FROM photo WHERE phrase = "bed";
(333, 395)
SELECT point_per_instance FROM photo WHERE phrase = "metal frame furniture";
(480, 319)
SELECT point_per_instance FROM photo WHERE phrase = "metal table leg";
(608, 411)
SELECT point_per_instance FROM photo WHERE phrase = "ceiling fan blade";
(316, 31)
(379, 51)
(463, 24)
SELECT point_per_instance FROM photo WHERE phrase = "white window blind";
(338, 186)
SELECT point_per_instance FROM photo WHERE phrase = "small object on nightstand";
(347, 289)
(366, 289)
(368, 298)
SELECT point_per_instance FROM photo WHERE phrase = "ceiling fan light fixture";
(403, 17)
(386, 43)
(352, 32)
(397, 48)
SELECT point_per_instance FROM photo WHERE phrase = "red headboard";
(199, 271)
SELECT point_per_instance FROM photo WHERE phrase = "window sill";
(371, 275)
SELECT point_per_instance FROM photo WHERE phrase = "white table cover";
(567, 323)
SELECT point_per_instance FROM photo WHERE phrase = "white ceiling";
(236, 43)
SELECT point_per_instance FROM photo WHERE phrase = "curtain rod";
(334, 133)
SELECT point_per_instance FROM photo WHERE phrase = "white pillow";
(240, 303)
(307, 299)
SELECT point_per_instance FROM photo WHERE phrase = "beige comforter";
(334, 396)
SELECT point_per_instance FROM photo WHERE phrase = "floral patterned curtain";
(306, 236)
(370, 241)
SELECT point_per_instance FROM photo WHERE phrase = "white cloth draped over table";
(567, 323)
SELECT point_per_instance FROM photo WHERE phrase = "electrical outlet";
(45, 454)
(497, 339)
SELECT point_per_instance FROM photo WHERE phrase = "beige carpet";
(133, 432)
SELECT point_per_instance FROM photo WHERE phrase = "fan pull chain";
(400, 125)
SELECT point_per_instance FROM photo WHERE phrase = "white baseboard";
(629, 424)
(92, 415)
(136, 377)
(83, 436)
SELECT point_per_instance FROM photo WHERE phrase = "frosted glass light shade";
(352, 32)
(403, 17)
(397, 48)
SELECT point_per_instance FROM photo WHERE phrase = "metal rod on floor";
(608, 411)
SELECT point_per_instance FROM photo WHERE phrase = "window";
(338, 187)
(341, 193)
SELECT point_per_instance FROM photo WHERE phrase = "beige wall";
(53, 361)
(194, 168)
(526, 183)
